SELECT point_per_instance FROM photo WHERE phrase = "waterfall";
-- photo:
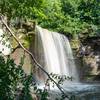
(53, 52)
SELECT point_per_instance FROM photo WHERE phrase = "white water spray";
(55, 53)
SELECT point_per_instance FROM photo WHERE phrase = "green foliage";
(65, 16)
(73, 16)
(15, 84)
(60, 79)
(21, 8)
(10, 76)
(42, 94)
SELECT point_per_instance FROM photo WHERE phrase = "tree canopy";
(65, 16)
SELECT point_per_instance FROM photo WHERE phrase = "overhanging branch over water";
(32, 56)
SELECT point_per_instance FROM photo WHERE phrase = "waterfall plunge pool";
(53, 51)
(78, 91)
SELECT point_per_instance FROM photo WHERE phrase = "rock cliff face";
(25, 35)
(17, 55)
(91, 59)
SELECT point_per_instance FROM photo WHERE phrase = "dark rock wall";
(87, 57)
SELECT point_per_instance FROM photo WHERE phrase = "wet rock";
(90, 59)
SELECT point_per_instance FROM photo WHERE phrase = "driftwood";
(33, 58)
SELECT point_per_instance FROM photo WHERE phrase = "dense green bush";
(13, 80)
(15, 84)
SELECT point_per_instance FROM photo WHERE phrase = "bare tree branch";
(33, 58)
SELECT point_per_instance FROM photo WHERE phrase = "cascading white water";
(53, 51)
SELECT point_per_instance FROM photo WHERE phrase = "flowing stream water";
(53, 51)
